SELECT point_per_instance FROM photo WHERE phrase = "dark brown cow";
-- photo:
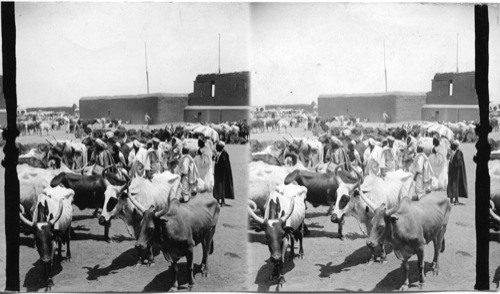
(178, 228)
(409, 226)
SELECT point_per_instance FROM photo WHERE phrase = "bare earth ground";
(334, 265)
(98, 266)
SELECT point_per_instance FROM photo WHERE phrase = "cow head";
(114, 199)
(45, 237)
(346, 196)
(274, 225)
(149, 225)
(381, 222)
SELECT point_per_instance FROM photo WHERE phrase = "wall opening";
(450, 89)
(213, 89)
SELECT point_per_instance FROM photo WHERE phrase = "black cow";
(89, 191)
(178, 228)
(321, 188)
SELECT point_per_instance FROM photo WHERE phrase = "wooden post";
(10, 150)
(483, 150)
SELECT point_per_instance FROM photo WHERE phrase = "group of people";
(209, 170)
(443, 169)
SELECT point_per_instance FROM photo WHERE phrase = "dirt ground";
(334, 265)
(98, 266)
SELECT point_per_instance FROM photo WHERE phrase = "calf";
(178, 228)
(409, 226)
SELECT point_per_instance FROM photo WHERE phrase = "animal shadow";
(26, 241)
(315, 214)
(164, 281)
(33, 280)
(394, 280)
(257, 238)
(360, 256)
(262, 278)
(320, 234)
(82, 217)
(126, 259)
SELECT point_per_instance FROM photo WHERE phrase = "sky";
(295, 51)
(66, 51)
(300, 51)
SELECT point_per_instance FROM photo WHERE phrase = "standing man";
(223, 176)
(457, 177)
(101, 157)
(372, 158)
(137, 159)
(188, 175)
(422, 173)
(147, 118)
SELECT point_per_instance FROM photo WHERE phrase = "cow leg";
(292, 247)
(330, 209)
(383, 255)
(68, 250)
(59, 247)
(341, 225)
(205, 245)
(306, 230)
(189, 257)
(301, 235)
(406, 268)
(151, 258)
(437, 247)
(106, 232)
(175, 268)
(420, 256)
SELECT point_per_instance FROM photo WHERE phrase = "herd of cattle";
(287, 173)
(52, 180)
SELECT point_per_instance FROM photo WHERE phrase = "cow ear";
(394, 219)
(51, 216)
(355, 193)
(367, 209)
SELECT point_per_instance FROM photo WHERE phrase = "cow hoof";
(404, 287)
(420, 285)
(173, 289)
(281, 281)
(342, 238)
(370, 261)
(301, 255)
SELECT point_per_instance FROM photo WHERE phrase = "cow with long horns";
(409, 226)
(179, 228)
(51, 225)
(283, 220)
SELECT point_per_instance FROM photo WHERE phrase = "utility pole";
(457, 52)
(483, 150)
(146, 55)
(385, 70)
(219, 53)
(11, 153)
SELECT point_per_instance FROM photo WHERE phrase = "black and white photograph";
(362, 174)
(132, 121)
(249, 147)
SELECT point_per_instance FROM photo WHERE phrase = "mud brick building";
(400, 106)
(3, 110)
(219, 97)
(161, 107)
(453, 98)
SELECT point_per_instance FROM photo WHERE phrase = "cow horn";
(162, 212)
(58, 214)
(367, 200)
(396, 207)
(21, 216)
(286, 139)
(266, 212)
(105, 169)
(492, 213)
(136, 203)
(51, 144)
(290, 210)
(259, 219)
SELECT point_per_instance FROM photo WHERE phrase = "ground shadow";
(354, 236)
(164, 281)
(257, 238)
(126, 259)
(394, 280)
(321, 233)
(315, 214)
(496, 277)
(315, 225)
(264, 273)
(359, 256)
(33, 280)
(83, 217)
(26, 241)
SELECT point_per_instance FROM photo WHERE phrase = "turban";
(137, 144)
(156, 140)
(372, 142)
(390, 138)
(336, 140)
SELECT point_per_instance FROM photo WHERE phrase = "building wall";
(67, 109)
(464, 89)
(450, 114)
(305, 107)
(231, 89)
(171, 109)
(3, 117)
(160, 107)
(408, 108)
(216, 115)
(370, 107)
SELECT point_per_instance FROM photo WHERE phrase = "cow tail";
(442, 246)
(211, 247)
